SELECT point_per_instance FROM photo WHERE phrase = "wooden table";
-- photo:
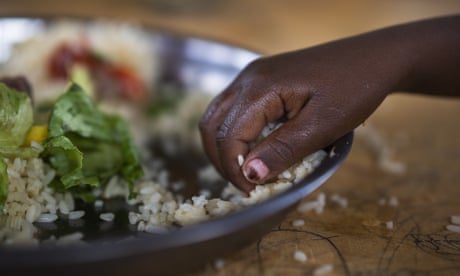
(423, 134)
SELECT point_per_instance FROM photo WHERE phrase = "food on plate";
(88, 125)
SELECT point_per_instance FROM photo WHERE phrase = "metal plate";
(191, 64)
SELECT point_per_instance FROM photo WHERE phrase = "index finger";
(242, 126)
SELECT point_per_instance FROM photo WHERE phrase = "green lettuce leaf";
(87, 146)
(16, 117)
(67, 160)
(19, 152)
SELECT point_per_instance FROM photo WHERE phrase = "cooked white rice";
(323, 270)
(300, 256)
(30, 200)
(219, 264)
(76, 214)
(340, 200)
(389, 224)
(317, 205)
(298, 222)
(107, 216)
(455, 219)
(453, 228)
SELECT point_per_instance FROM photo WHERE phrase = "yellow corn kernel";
(36, 134)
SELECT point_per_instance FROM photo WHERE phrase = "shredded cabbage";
(85, 146)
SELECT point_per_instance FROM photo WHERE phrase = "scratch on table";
(391, 239)
(319, 236)
(443, 245)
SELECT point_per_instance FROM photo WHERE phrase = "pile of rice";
(160, 209)
(31, 200)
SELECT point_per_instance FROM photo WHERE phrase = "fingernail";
(255, 170)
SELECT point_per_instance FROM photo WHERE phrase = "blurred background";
(266, 26)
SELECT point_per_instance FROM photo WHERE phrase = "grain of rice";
(49, 198)
(316, 205)
(116, 187)
(205, 192)
(307, 206)
(324, 269)
(393, 201)
(63, 208)
(69, 238)
(133, 217)
(300, 256)
(107, 216)
(141, 226)
(389, 224)
(286, 175)
(332, 152)
(76, 214)
(49, 177)
(453, 228)
(383, 151)
(341, 201)
(33, 213)
(155, 229)
(219, 264)
(455, 219)
(98, 203)
(163, 178)
(240, 160)
(46, 218)
(298, 222)
(36, 146)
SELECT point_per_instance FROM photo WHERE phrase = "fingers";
(312, 128)
(236, 118)
(241, 126)
(210, 122)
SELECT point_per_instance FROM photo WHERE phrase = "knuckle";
(282, 149)
(222, 133)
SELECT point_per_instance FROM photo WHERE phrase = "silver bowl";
(185, 62)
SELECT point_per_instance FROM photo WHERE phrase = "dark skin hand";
(324, 92)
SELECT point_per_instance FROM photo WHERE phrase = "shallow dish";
(192, 64)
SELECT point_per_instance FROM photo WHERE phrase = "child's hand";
(323, 92)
